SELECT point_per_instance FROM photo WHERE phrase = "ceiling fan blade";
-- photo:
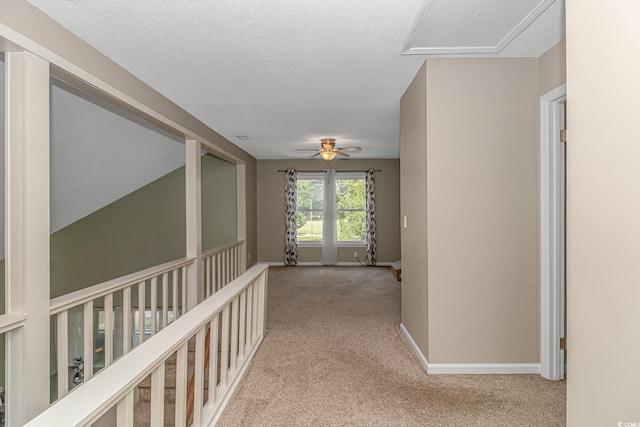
(340, 153)
(349, 148)
(314, 155)
(305, 149)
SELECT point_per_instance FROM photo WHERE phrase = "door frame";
(552, 233)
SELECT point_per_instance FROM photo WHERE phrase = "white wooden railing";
(235, 317)
(123, 319)
(221, 266)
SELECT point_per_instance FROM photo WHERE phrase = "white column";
(27, 227)
(195, 292)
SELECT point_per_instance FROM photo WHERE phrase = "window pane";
(350, 193)
(351, 226)
(310, 201)
(309, 225)
(310, 194)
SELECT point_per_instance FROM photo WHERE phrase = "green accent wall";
(219, 202)
(142, 229)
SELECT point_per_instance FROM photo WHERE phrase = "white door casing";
(552, 233)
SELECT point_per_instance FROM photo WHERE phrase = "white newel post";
(241, 233)
(27, 228)
(193, 167)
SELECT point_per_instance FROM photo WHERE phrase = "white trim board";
(484, 368)
(415, 348)
(523, 24)
(319, 264)
(468, 368)
(551, 234)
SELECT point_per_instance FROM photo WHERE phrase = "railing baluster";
(236, 270)
(157, 396)
(125, 410)
(181, 386)
(207, 277)
(224, 348)
(62, 328)
(256, 303)
(154, 305)
(225, 270)
(174, 284)
(218, 272)
(213, 359)
(243, 325)
(230, 264)
(87, 340)
(184, 290)
(234, 335)
(262, 302)
(165, 299)
(108, 330)
(142, 308)
(199, 378)
(249, 337)
(126, 320)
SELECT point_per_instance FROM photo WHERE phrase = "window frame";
(350, 176)
(322, 177)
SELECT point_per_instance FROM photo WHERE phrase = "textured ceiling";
(284, 73)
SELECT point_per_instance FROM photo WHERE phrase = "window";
(310, 207)
(350, 209)
(349, 214)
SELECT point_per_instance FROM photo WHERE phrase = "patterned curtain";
(370, 231)
(290, 196)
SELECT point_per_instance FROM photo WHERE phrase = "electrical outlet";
(355, 254)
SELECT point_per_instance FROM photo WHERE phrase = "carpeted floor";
(334, 356)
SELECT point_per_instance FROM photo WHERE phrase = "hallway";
(334, 355)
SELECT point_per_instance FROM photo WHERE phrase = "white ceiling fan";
(329, 150)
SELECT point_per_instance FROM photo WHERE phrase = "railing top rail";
(64, 302)
(221, 248)
(104, 391)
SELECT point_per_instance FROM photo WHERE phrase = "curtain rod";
(324, 170)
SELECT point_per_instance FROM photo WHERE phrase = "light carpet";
(333, 355)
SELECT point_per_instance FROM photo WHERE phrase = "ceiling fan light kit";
(327, 155)
(329, 151)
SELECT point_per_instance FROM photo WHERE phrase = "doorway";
(552, 234)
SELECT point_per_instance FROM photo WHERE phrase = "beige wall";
(271, 209)
(603, 208)
(469, 156)
(413, 205)
(482, 210)
(552, 68)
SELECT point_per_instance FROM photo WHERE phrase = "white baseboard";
(414, 347)
(469, 368)
(319, 264)
(484, 368)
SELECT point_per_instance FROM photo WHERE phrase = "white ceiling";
(286, 73)
(99, 156)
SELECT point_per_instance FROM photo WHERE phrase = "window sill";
(340, 244)
(309, 244)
